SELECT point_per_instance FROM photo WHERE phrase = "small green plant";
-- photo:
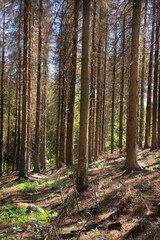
(95, 165)
(20, 216)
(11, 200)
(28, 186)
(149, 169)
(94, 233)
(70, 172)
(34, 198)
(16, 215)
(54, 187)
(53, 194)
(46, 183)
(112, 164)
(158, 162)
(41, 216)
(154, 155)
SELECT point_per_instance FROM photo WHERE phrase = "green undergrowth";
(22, 216)
(30, 186)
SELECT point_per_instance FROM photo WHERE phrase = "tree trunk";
(82, 174)
(141, 131)
(37, 133)
(8, 132)
(113, 88)
(104, 85)
(92, 91)
(19, 89)
(30, 62)
(98, 105)
(22, 165)
(2, 93)
(149, 91)
(154, 118)
(70, 120)
(131, 162)
(122, 87)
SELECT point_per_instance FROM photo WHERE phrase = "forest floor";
(115, 206)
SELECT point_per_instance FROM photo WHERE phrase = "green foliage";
(16, 215)
(53, 194)
(95, 165)
(41, 215)
(34, 198)
(20, 216)
(50, 161)
(28, 186)
(70, 172)
(54, 187)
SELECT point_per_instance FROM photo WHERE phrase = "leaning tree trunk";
(82, 174)
(131, 161)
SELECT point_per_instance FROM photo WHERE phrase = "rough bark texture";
(104, 86)
(154, 116)
(98, 102)
(92, 92)
(22, 164)
(122, 87)
(70, 120)
(30, 62)
(37, 133)
(149, 93)
(131, 162)
(82, 174)
(141, 131)
(19, 88)
(113, 88)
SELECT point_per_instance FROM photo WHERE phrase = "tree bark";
(82, 174)
(22, 165)
(19, 89)
(30, 62)
(98, 105)
(154, 113)
(71, 100)
(113, 88)
(92, 91)
(104, 85)
(37, 133)
(141, 131)
(122, 86)
(131, 161)
(2, 93)
(149, 90)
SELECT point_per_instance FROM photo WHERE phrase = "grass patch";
(26, 187)
(21, 216)
(16, 215)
